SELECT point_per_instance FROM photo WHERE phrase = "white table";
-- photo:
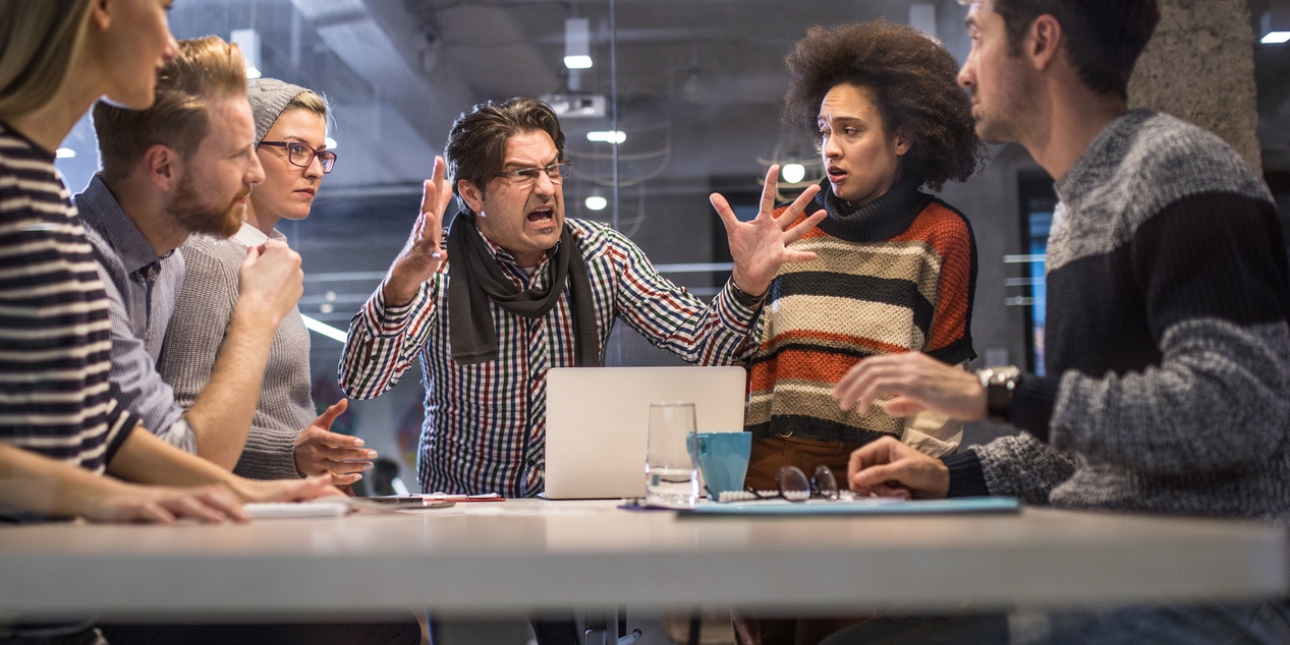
(517, 556)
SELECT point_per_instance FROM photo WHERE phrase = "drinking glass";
(670, 474)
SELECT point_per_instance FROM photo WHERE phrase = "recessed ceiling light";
(577, 43)
(607, 136)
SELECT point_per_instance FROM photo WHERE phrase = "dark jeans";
(69, 636)
(1210, 624)
(399, 633)
(556, 632)
(986, 629)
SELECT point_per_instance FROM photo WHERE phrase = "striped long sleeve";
(55, 396)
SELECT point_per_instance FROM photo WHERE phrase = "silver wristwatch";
(999, 384)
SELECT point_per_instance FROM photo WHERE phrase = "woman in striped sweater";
(895, 267)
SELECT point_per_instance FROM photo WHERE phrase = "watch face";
(998, 392)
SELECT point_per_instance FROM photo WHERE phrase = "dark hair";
(912, 81)
(476, 149)
(1103, 37)
(207, 68)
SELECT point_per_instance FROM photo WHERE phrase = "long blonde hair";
(39, 39)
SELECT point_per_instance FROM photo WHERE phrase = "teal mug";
(723, 458)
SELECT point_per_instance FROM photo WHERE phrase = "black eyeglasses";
(793, 485)
(556, 172)
(302, 155)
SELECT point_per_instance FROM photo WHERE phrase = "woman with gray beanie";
(285, 439)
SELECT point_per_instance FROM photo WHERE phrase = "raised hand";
(322, 452)
(271, 280)
(760, 247)
(424, 251)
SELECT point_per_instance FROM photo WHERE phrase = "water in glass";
(671, 477)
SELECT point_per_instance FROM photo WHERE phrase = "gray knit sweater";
(1167, 345)
(197, 328)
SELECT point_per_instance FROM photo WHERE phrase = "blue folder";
(864, 506)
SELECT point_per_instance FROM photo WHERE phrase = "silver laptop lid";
(597, 421)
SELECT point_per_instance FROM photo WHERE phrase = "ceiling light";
(1275, 37)
(577, 43)
(596, 202)
(322, 328)
(65, 153)
(607, 136)
(330, 142)
(793, 172)
(248, 40)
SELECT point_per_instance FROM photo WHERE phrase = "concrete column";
(1199, 67)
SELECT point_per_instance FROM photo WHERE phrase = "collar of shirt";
(99, 208)
(507, 261)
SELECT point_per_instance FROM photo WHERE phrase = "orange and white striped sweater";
(896, 275)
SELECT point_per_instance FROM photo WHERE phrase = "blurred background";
(662, 103)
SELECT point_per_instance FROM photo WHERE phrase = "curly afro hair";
(912, 80)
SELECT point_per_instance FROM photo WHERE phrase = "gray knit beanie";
(269, 97)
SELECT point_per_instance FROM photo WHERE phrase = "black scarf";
(470, 321)
(882, 219)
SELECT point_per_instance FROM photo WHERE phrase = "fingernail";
(358, 443)
(370, 454)
(367, 466)
(358, 477)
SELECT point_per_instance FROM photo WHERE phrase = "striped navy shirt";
(485, 424)
(55, 397)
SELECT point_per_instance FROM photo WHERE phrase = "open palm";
(759, 247)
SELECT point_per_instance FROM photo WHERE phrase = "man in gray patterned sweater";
(1167, 342)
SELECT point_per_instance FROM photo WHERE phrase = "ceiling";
(699, 83)
(699, 87)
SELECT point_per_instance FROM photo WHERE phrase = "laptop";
(597, 422)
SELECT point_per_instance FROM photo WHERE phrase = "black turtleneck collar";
(882, 219)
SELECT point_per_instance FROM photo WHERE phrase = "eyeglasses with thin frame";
(556, 172)
(793, 485)
(302, 155)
